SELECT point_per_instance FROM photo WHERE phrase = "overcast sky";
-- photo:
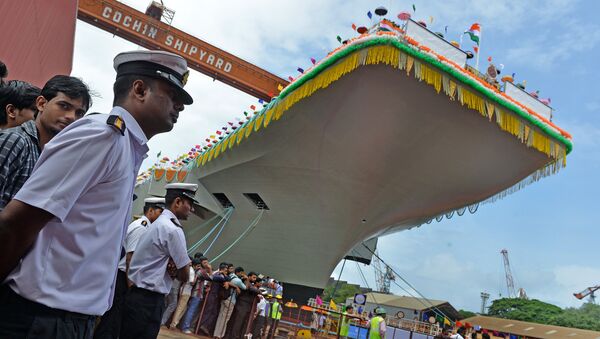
(550, 228)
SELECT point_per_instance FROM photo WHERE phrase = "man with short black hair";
(62, 233)
(260, 317)
(218, 288)
(243, 306)
(110, 324)
(203, 273)
(227, 305)
(164, 241)
(63, 100)
(17, 103)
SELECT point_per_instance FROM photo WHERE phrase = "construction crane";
(383, 275)
(510, 284)
(588, 292)
(148, 30)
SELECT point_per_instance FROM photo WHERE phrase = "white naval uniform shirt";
(164, 239)
(134, 233)
(85, 177)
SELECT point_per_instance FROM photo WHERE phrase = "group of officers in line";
(66, 184)
(150, 290)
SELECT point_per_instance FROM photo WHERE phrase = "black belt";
(10, 297)
(146, 292)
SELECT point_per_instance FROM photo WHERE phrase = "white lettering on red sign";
(125, 21)
(196, 53)
(180, 45)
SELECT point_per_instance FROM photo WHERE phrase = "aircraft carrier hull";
(373, 153)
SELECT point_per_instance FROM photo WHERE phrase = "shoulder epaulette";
(144, 223)
(117, 122)
(175, 221)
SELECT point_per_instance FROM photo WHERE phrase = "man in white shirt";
(228, 304)
(182, 302)
(62, 233)
(164, 241)
(460, 334)
(110, 324)
(260, 314)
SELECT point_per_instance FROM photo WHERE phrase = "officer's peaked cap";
(156, 64)
(186, 190)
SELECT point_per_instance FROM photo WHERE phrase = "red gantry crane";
(148, 30)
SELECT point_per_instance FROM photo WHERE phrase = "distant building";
(507, 328)
(404, 307)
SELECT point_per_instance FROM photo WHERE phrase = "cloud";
(573, 40)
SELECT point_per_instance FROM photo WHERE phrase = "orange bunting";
(158, 174)
(170, 175)
(181, 175)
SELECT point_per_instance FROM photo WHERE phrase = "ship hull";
(375, 152)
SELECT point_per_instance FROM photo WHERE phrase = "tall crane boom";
(510, 284)
(383, 275)
(149, 32)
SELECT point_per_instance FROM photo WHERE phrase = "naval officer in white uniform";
(110, 324)
(164, 241)
(62, 233)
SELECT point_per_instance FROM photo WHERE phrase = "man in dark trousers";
(163, 241)
(243, 308)
(110, 324)
(217, 291)
(62, 233)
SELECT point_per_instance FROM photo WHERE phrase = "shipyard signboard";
(144, 30)
(182, 45)
(437, 44)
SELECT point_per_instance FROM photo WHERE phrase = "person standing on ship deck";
(164, 240)
(62, 233)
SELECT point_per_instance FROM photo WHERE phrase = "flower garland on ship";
(388, 43)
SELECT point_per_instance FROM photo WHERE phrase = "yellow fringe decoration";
(529, 135)
(249, 129)
(258, 122)
(232, 141)
(240, 135)
(218, 149)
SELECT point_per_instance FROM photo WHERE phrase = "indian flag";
(387, 27)
(474, 32)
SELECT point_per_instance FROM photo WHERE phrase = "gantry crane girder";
(149, 32)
